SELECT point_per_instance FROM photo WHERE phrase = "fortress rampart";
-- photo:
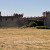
(19, 20)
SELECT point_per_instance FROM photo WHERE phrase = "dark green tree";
(32, 24)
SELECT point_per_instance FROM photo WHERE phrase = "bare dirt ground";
(24, 39)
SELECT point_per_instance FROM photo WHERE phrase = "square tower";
(47, 18)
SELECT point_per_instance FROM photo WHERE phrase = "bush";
(42, 27)
(25, 26)
(32, 24)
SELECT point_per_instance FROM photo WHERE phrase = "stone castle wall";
(13, 22)
(18, 20)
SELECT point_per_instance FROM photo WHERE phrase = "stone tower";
(0, 13)
(47, 18)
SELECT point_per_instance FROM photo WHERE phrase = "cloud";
(4, 10)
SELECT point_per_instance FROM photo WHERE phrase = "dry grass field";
(40, 39)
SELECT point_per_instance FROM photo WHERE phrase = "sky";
(27, 7)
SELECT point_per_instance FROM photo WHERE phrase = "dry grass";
(10, 35)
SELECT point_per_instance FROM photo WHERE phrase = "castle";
(19, 20)
(46, 16)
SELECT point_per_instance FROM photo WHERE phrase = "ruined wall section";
(13, 22)
(22, 21)
(8, 22)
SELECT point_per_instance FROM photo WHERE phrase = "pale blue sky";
(27, 7)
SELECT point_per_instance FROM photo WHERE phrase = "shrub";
(42, 27)
(32, 24)
(25, 26)
(48, 27)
